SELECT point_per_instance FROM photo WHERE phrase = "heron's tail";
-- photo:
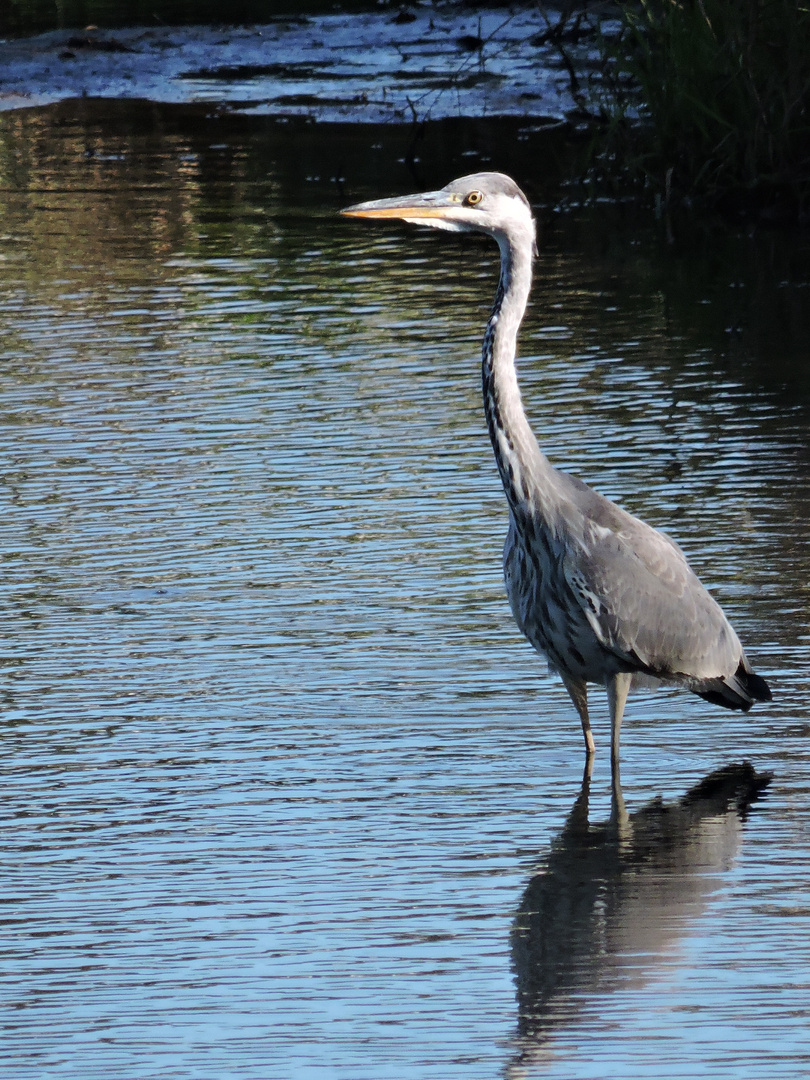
(737, 691)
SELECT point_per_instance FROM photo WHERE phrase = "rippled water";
(286, 795)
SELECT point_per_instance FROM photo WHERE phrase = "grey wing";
(642, 598)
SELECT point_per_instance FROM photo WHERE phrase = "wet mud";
(376, 67)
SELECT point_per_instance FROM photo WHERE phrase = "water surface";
(281, 779)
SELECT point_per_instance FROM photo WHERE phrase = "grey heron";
(605, 597)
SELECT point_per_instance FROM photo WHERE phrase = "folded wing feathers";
(646, 605)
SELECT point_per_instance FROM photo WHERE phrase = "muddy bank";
(360, 68)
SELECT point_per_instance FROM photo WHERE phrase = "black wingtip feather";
(740, 691)
(757, 687)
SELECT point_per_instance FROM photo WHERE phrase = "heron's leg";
(576, 824)
(618, 688)
(586, 776)
(619, 818)
(578, 692)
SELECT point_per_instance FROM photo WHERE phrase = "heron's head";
(487, 202)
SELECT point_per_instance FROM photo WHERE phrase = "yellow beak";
(431, 204)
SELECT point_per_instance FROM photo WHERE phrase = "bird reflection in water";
(612, 901)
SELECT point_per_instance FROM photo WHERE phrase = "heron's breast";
(544, 607)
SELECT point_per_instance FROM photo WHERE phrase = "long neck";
(525, 472)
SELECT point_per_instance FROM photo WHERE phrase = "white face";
(491, 212)
(503, 216)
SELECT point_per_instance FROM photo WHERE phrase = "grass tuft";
(710, 100)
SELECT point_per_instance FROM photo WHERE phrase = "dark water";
(35, 16)
(285, 793)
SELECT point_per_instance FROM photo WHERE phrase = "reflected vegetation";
(612, 903)
(90, 181)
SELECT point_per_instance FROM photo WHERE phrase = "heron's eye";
(474, 198)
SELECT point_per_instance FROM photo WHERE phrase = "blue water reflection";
(276, 764)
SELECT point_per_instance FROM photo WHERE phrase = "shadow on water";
(612, 902)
